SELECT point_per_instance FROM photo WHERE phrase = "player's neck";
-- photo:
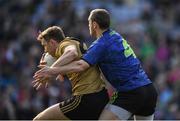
(99, 33)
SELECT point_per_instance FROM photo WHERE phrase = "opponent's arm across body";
(93, 55)
(70, 53)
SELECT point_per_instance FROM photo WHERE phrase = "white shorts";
(125, 115)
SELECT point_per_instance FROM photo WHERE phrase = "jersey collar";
(106, 31)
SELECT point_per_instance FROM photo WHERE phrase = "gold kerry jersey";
(88, 81)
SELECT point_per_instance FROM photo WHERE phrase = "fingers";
(39, 80)
(46, 85)
(60, 78)
(40, 83)
(42, 62)
(39, 86)
(44, 69)
(42, 57)
(35, 84)
(39, 75)
(40, 72)
(41, 65)
(35, 81)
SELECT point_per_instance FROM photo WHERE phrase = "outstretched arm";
(74, 66)
(70, 53)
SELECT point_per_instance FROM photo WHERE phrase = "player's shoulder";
(78, 42)
(69, 40)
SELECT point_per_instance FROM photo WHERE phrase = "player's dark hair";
(102, 17)
(53, 32)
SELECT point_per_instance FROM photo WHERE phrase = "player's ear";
(94, 24)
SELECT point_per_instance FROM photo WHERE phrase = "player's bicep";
(70, 48)
(68, 54)
(70, 51)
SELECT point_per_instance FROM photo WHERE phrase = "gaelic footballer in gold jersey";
(89, 95)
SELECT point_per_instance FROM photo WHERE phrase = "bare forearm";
(63, 69)
(75, 66)
(65, 59)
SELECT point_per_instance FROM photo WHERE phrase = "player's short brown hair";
(101, 16)
(53, 32)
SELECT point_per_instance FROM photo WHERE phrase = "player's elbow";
(82, 66)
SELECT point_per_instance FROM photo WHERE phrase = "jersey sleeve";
(66, 43)
(95, 53)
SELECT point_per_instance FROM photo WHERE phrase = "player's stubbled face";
(46, 46)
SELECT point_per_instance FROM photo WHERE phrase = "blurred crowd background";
(152, 27)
